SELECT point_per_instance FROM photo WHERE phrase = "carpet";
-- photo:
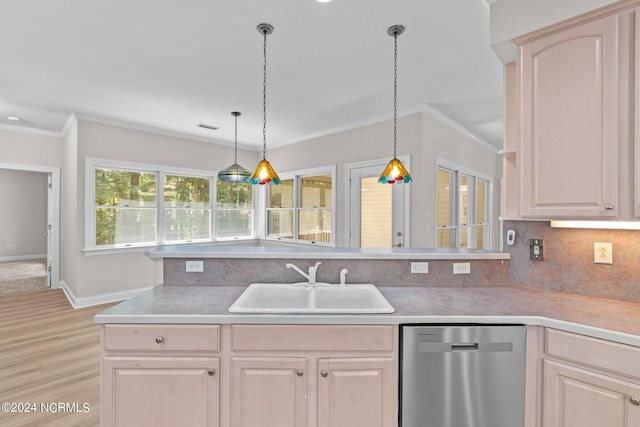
(24, 275)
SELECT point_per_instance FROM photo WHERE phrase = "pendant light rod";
(235, 114)
(265, 30)
(395, 31)
(264, 173)
(395, 172)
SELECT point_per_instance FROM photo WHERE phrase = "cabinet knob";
(608, 206)
(159, 340)
(324, 373)
(299, 372)
(211, 372)
(635, 401)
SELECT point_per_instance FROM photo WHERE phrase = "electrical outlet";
(194, 267)
(602, 253)
(420, 267)
(461, 268)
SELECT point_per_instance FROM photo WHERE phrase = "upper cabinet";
(570, 117)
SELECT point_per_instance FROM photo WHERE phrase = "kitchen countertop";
(600, 318)
(277, 251)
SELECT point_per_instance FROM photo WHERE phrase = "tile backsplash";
(238, 271)
(568, 264)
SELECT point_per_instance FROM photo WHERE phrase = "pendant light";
(264, 173)
(395, 172)
(234, 173)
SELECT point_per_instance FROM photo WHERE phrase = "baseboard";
(22, 257)
(98, 299)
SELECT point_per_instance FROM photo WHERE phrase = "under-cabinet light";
(607, 225)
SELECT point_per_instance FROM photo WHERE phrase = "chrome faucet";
(311, 277)
(343, 276)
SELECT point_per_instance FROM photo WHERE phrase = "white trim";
(22, 257)
(295, 175)
(53, 205)
(71, 120)
(99, 299)
(382, 162)
(422, 108)
(166, 132)
(457, 169)
(428, 109)
(34, 131)
(367, 122)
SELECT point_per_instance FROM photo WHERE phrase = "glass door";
(376, 211)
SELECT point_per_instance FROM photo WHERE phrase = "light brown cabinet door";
(268, 392)
(575, 397)
(160, 391)
(570, 119)
(357, 392)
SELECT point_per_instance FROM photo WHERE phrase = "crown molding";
(33, 131)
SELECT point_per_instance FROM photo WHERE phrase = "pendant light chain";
(264, 100)
(395, 93)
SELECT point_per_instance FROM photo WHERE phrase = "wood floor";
(49, 354)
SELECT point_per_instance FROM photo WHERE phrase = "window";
(463, 200)
(234, 213)
(143, 205)
(125, 207)
(187, 208)
(301, 207)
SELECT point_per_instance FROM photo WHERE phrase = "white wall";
(23, 214)
(89, 278)
(421, 136)
(117, 273)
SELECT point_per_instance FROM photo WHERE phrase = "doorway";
(377, 214)
(29, 236)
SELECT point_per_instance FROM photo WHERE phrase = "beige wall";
(98, 274)
(89, 277)
(421, 136)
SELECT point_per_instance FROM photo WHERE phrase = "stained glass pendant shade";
(264, 173)
(395, 172)
(234, 173)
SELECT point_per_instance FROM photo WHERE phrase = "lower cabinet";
(160, 391)
(576, 397)
(356, 393)
(249, 375)
(589, 382)
(287, 392)
(268, 392)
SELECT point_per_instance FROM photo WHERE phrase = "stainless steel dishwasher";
(462, 375)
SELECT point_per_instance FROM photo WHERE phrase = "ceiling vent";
(206, 126)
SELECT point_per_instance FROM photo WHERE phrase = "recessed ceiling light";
(14, 118)
(323, 1)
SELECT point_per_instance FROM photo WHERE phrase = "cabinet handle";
(159, 340)
(608, 206)
(299, 372)
(324, 373)
(211, 372)
(635, 401)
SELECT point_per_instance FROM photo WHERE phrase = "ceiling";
(169, 65)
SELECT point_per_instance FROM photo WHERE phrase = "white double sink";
(305, 298)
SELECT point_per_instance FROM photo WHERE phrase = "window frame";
(455, 198)
(296, 176)
(91, 164)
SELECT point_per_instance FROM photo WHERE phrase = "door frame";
(406, 197)
(53, 214)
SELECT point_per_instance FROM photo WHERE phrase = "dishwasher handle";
(447, 347)
(464, 347)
